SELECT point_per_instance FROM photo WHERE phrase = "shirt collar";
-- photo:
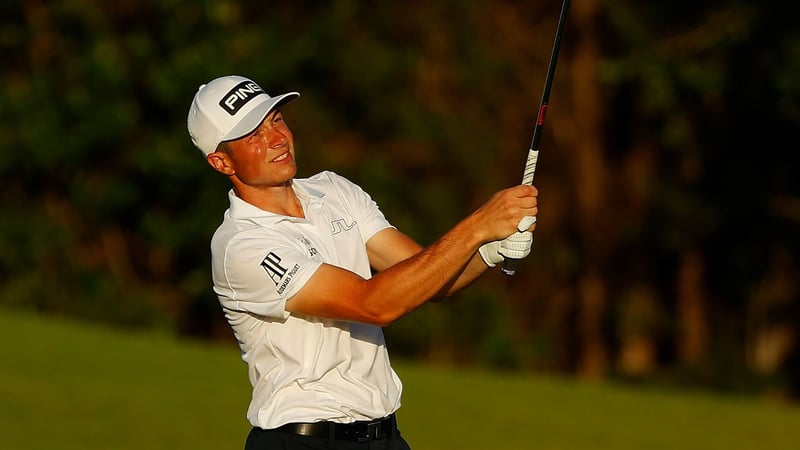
(240, 209)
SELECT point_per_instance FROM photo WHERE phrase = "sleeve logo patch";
(279, 274)
(312, 251)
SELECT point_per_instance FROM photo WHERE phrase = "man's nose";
(277, 139)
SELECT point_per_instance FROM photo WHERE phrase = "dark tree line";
(667, 247)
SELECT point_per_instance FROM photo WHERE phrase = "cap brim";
(254, 118)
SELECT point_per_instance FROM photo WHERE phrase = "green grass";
(67, 385)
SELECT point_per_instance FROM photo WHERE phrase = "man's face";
(265, 157)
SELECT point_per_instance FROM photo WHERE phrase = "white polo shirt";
(303, 369)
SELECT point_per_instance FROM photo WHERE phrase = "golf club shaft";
(510, 264)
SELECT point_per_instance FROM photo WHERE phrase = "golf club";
(510, 264)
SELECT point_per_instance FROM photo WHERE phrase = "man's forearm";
(446, 266)
(471, 272)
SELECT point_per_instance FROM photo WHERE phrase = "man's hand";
(490, 253)
(501, 215)
(516, 246)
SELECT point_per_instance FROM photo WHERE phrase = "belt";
(361, 431)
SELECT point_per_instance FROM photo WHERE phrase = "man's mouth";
(281, 157)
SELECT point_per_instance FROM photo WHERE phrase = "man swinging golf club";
(293, 264)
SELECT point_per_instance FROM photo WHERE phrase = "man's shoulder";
(245, 240)
(329, 181)
(325, 177)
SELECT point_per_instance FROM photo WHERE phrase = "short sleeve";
(361, 205)
(258, 274)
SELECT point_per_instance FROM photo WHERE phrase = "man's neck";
(276, 199)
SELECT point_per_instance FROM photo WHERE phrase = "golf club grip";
(530, 167)
(510, 264)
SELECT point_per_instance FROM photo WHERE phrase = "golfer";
(308, 271)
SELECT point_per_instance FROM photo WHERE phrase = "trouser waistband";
(360, 431)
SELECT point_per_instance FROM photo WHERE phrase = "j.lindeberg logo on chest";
(341, 225)
(237, 97)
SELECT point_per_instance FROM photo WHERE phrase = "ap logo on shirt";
(279, 274)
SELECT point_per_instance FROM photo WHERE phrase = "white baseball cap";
(228, 108)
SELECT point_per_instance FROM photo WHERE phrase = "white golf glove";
(516, 246)
(490, 253)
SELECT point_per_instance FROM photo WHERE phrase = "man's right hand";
(500, 216)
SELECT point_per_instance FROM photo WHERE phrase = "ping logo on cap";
(237, 97)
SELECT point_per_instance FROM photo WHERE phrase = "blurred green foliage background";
(667, 248)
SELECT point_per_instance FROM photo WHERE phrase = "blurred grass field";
(70, 385)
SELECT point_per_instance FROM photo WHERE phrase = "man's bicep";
(331, 293)
(390, 246)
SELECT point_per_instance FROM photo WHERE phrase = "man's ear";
(220, 162)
